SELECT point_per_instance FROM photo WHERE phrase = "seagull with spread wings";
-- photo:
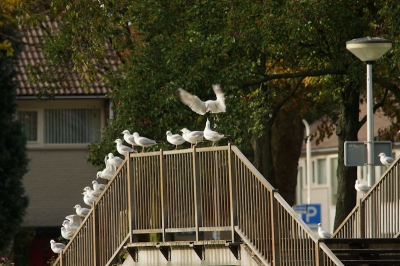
(202, 107)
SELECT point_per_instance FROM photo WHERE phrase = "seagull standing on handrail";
(323, 233)
(212, 135)
(385, 160)
(143, 141)
(361, 187)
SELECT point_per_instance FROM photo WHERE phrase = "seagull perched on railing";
(74, 219)
(200, 107)
(114, 160)
(92, 193)
(98, 187)
(87, 199)
(385, 160)
(322, 233)
(108, 172)
(81, 211)
(192, 137)
(56, 247)
(212, 135)
(175, 139)
(70, 227)
(361, 187)
(143, 141)
(66, 234)
(128, 137)
(122, 149)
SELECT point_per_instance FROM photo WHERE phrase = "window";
(300, 183)
(53, 125)
(334, 183)
(66, 126)
(29, 120)
(321, 171)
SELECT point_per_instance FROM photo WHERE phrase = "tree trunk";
(347, 130)
(263, 160)
(287, 139)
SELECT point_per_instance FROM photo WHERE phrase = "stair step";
(366, 250)
(371, 262)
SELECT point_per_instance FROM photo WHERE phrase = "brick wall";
(54, 185)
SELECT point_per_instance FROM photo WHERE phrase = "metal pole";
(370, 124)
(308, 153)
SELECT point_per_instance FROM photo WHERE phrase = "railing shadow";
(377, 214)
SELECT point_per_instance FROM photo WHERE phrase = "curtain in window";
(65, 126)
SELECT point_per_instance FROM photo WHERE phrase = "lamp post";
(369, 50)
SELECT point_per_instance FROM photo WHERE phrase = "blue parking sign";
(310, 213)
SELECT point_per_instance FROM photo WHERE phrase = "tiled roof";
(70, 83)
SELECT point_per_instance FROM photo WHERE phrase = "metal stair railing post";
(232, 195)
(361, 219)
(163, 193)
(131, 213)
(96, 235)
(197, 196)
(275, 231)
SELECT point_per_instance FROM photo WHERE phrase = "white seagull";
(56, 247)
(122, 149)
(175, 139)
(200, 107)
(66, 234)
(114, 160)
(192, 137)
(92, 193)
(81, 211)
(108, 172)
(361, 187)
(143, 141)
(385, 160)
(128, 137)
(97, 186)
(87, 199)
(74, 219)
(70, 227)
(322, 233)
(212, 135)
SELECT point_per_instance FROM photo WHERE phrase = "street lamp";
(369, 50)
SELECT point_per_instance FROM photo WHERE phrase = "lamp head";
(369, 49)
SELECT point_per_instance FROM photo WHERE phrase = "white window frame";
(39, 107)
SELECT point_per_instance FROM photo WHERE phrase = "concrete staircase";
(366, 251)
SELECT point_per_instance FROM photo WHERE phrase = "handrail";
(269, 226)
(194, 190)
(376, 214)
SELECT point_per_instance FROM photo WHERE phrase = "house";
(324, 161)
(58, 132)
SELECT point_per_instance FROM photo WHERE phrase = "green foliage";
(13, 157)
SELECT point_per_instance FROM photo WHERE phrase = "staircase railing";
(194, 190)
(377, 214)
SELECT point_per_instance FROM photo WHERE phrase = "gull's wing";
(220, 102)
(192, 101)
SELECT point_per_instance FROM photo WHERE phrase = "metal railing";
(377, 213)
(194, 190)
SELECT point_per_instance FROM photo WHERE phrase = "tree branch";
(314, 73)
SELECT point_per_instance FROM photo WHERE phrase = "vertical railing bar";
(197, 196)
(163, 193)
(275, 226)
(232, 193)
(96, 235)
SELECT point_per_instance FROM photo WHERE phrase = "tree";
(13, 157)
(273, 58)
